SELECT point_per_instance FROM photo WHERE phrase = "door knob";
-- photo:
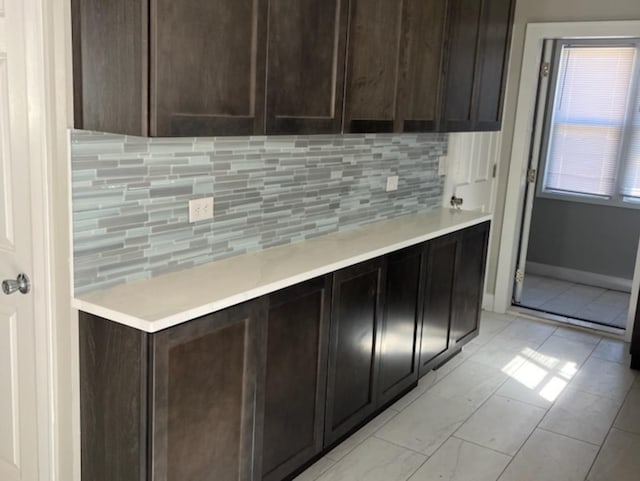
(22, 284)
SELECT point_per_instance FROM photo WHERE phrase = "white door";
(471, 163)
(19, 456)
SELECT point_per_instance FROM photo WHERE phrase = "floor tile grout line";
(357, 445)
(400, 445)
(479, 445)
(564, 435)
(595, 458)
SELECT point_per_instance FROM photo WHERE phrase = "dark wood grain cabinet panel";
(206, 378)
(353, 359)
(477, 47)
(423, 27)
(438, 287)
(468, 285)
(372, 66)
(113, 400)
(207, 67)
(296, 366)
(462, 54)
(110, 87)
(401, 322)
(491, 74)
(306, 51)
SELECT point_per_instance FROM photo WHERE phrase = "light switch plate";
(392, 183)
(200, 209)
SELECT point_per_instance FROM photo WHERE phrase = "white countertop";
(170, 299)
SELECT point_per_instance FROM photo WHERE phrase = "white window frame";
(617, 199)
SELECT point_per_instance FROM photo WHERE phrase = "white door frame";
(535, 35)
(49, 91)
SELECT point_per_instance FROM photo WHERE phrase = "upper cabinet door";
(462, 40)
(478, 39)
(493, 49)
(372, 66)
(421, 68)
(207, 67)
(110, 87)
(305, 79)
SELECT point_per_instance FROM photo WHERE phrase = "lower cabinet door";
(297, 342)
(401, 319)
(353, 366)
(204, 388)
(468, 286)
(438, 285)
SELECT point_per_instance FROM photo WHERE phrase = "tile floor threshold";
(526, 400)
(532, 312)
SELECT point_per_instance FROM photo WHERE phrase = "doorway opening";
(581, 220)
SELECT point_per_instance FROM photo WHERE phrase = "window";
(592, 146)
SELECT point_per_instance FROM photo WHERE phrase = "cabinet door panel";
(423, 30)
(469, 282)
(352, 355)
(306, 49)
(204, 397)
(440, 264)
(462, 38)
(399, 350)
(372, 66)
(493, 49)
(297, 335)
(208, 61)
(110, 88)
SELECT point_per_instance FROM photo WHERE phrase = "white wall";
(528, 11)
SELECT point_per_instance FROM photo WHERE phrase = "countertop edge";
(120, 316)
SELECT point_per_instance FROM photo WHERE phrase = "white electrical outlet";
(442, 165)
(200, 209)
(392, 183)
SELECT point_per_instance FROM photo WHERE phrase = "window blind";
(630, 184)
(588, 120)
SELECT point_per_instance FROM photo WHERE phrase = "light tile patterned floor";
(576, 300)
(524, 401)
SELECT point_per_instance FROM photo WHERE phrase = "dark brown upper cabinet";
(372, 66)
(207, 67)
(423, 26)
(477, 46)
(255, 67)
(110, 88)
(306, 49)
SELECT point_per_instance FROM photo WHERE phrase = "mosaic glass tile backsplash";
(130, 195)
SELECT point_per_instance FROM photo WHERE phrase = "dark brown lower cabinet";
(438, 285)
(468, 284)
(296, 359)
(453, 293)
(206, 379)
(353, 357)
(257, 391)
(401, 319)
(193, 388)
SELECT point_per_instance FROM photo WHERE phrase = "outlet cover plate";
(200, 209)
(392, 183)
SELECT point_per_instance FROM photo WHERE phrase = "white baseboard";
(488, 301)
(580, 277)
